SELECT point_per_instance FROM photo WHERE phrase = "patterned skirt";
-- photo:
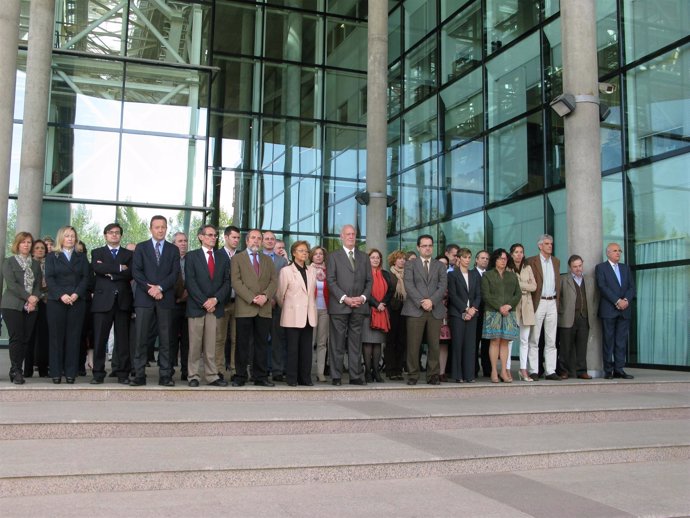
(498, 326)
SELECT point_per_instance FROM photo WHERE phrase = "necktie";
(351, 257)
(211, 264)
(255, 262)
(617, 272)
(158, 252)
(114, 252)
(426, 266)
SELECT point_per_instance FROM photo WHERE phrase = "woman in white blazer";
(296, 296)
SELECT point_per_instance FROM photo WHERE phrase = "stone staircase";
(83, 439)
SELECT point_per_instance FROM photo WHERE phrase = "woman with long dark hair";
(525, 308)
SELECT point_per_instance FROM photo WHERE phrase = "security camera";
(607, 88)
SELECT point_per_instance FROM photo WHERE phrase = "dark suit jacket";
(15, 295)
(611, 291)
(458, 293)
(145, 271)
(566, 308)
(65, 277)
(535, 264)
(419, 287)
(391, 281)
(200, 286)
(248, 285)
(343, 280)
(109, 279)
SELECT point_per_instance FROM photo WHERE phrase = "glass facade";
(254, 112)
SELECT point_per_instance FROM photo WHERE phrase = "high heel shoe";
(57, 381)
(505, 379)
(495, 379)
(524, 377)
(376, 375)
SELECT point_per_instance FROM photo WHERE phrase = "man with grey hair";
(546, 269)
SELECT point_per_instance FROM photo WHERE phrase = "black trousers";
(102, 322)
(615, 334)
(41, 341)
(395, 352)
(65, 326)
(299, 350)
(180, 339)
(143, 322)
(20, 327)
(252, 330)
(573, 346)
(463, 348)
(481, 348)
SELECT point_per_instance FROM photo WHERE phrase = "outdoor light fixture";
(604, 111)
(563, 104)
(363, 198)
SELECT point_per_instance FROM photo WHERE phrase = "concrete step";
(174, 418)
(69, 466)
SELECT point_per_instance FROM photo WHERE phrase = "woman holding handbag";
(377, 324)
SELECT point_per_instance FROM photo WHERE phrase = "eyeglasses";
(211, 235)
(114, 232)
(301, 251)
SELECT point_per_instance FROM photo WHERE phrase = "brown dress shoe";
(584, 376)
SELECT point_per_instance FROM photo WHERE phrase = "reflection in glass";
(292, 36)
(662, 295)
(81, 163)
(289, 90)
(553, 60)
(345, 152)
(466, 231)
(463, 105)
(658, 103)
(558, 225)
(346, 44)
(394, 35)
(607, 36)
(161, 170)
(613, 216)
(346, 96)
(508, 19)
(230, 145)
(341, 205)
(417, 194)
(515, 159)
(290, 146)
(93, 26)
(660, 199)
(234, 84)
(393, 149)
(464, 179)
(520, 222)
(395, 83)
(420, 137)
(612, 129)
(650, 26)
(420, 72)
(239, 40)
(514, 81)
(461, 43)
(420, 18)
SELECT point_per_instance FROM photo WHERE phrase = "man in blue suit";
(617, 290)
(207, 277)
(155, 268)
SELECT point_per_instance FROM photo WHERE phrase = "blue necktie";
(114, 252)
(618, 274)
(158, 252)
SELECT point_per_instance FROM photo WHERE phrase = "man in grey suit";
(576, 309)
(278, 350)
(348, 274)
(426, 280)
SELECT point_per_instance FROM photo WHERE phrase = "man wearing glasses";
(112, 302)
(207, 278)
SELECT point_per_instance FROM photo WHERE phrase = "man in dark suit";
(225, 330)
(481, 263)
(426, 281)
(112, 303)
(278, 343)
(348, 274)
(207, 277)
(180, 329)
(155, 268)
(577, 308)
(546, 269)
(255, 282)
(617, 290)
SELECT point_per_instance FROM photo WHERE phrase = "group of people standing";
(260, 315)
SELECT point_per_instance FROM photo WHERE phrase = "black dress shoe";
(18, 379)
(336, 382)
(264, 383)
(220, 382)
(553, 377)
(434, 380)
(183, 376)
(292, 384)
(534, 376)
(57, 381)
(278, 377)
(357, 381)
(70, 381)
(308, 384)
(137, 382)
(412, 382)
(623, 375)
(237, 383)
(123, 381)
(193, 383)
(113, 374)
(608, 376)
(97, 381)
(166, 382)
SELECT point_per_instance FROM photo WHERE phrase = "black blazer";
(199, 284)
(110, 279)
(15, 295)
(146, 271)
(391, 280)
(65, 277)
(459, 294)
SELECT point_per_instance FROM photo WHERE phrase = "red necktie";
(211, 264)
(255, 262)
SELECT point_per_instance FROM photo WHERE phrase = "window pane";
(557, 224)
(515, 159)
(464, 109)
(420, 18)
(553, 59)
(231, 142)
(417, 195)
(345, 152)
(612, 130)
(346, 44)
(661, 205)
(292, 36)
(613, 216)
(420, 138)
(239, 40)
(466, 231)
(651, 25)
(154, 168)
(663, 339)
(342, 206)
(394, 35)
(607, 36)
(91, 26)
(420, 72)
(393, 149)
(461, 43)
(514, 81)
(520, 222)
(394, 90)
(658, 105)
(346, 97)
(351, 8)
(290, 147)
(464, 180)
(508, 19)
(234, 86)
(289, 90)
